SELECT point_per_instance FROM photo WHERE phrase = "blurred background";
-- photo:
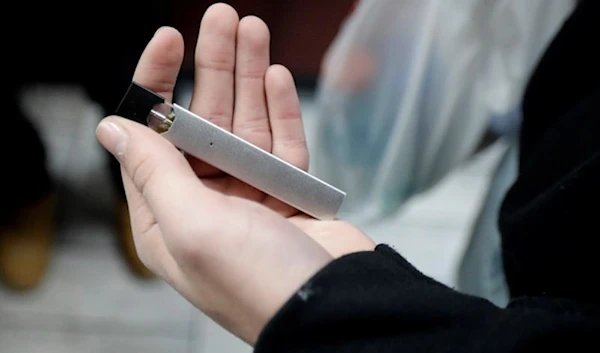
(71, 281)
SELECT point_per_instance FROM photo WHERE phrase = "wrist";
(293, 283)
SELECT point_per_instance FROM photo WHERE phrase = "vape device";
(229, 153)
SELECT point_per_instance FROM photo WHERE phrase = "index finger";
(160, 62)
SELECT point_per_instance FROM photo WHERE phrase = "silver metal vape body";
(231, 154)
(220, 148)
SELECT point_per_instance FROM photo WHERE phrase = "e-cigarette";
(229, 153)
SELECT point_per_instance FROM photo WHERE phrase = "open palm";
(237, 88)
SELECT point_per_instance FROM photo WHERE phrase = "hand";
(234, 252)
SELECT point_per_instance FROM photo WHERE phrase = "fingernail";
(112, 137)
(159, 30)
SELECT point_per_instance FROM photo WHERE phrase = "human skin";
(235, 253)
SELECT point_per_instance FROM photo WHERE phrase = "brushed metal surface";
(264, 171)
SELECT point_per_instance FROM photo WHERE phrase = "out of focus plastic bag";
(409, 87)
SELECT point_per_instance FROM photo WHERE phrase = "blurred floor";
(90, 302)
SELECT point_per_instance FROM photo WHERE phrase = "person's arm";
(239, 255)
(378, 302)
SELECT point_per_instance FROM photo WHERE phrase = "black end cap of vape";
(137, 103)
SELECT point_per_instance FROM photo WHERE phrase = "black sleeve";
(378, 302)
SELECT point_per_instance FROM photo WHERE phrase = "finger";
(289, 141)
(214, 65)
(214, 72)
(157, 69)
(250, 119)
(285, 116)
(160, 62)
(161, 174)
(149, 244)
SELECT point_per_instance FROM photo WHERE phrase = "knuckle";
(290, 116)
(142, 172)
(254, 125)
(222, 61)
(251, 74)
(219, 118)
(292, 143)
(162, 85)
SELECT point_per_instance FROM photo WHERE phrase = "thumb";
(159, 172)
